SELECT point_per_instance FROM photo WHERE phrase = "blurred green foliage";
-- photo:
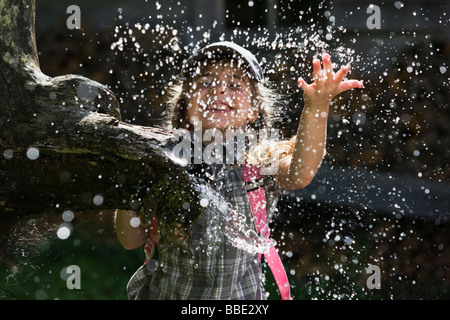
(33, 270)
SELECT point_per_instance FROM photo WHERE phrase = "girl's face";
(221, 98)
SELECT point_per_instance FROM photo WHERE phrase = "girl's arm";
(298, 170)
(130, 232)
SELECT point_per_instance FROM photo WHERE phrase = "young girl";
(204, 254)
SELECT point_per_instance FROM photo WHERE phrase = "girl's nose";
(218, 88)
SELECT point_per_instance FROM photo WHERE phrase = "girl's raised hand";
(327, 84)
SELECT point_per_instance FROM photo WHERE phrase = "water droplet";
(86, 92)
(135, 222)
(63, 232)
(8, 154)
(32, 153)
(98, 199)
(204, 202)
(40, 295)
(68, 216)
(398, 4)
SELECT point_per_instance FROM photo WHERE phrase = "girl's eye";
(204, 82)
(235, 85)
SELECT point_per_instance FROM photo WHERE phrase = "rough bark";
(74, 123)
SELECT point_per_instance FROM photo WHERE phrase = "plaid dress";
(219, 260)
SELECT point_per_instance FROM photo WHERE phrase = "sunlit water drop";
(63, 231)
(33, 153)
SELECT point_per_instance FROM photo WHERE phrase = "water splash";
(226, 219)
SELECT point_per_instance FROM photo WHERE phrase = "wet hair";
(266, 99)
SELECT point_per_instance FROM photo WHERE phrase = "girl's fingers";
(327, 66)
(341, 74)
(350, 84)
(304, 86)
(316, 68)
(322, 87)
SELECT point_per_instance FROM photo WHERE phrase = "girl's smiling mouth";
(219, 106)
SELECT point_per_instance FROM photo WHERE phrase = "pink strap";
(275, 264)
(257, 199)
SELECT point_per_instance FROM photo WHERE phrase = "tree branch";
(74, 124)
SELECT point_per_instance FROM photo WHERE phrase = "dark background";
(382, 194)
